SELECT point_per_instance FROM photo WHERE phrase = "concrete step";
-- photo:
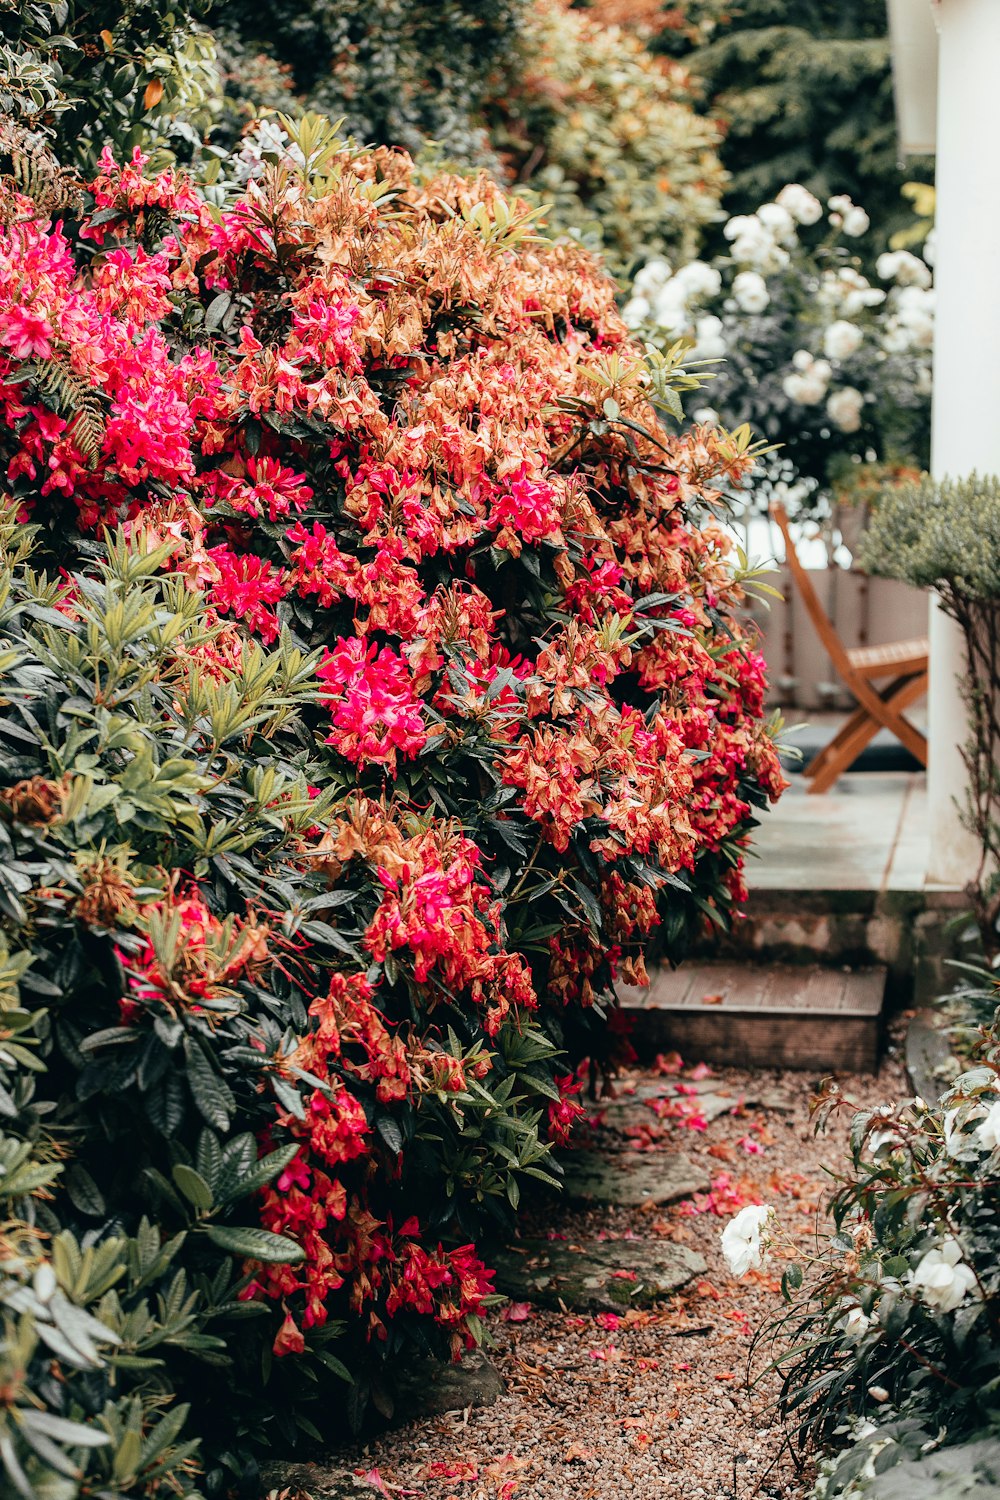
(766, 1015)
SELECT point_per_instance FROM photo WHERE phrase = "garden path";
(603, 1399)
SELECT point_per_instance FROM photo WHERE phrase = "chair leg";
(863, 725)
(847, 753)
(887, 707)
(828, 752)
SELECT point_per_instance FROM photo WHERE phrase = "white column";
(965, 430)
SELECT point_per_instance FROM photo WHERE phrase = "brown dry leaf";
(153, 93)
(577, 1453)
(711, 999)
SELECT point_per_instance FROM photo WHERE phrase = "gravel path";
(649, 1404)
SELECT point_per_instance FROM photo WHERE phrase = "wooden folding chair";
(905, 662)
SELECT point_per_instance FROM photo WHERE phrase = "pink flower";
(26, 333)
(376, 712)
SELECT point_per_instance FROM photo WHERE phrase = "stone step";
(809, 920)
(771, 1016)
(595, 1275)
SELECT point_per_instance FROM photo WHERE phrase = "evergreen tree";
(804, 89)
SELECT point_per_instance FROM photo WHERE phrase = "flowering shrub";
(608, 136)
(407, 706)
(892, 1336)
(820, 359)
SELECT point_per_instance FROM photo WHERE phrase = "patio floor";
(868, 833)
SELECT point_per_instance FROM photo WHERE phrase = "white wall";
(966, 417)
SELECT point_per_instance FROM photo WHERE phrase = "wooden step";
(771, 1016)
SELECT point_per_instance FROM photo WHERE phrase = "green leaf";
(211, 1093)
(84, 1194)
(264, 1172)
(64, 1431)
(194, 1187)
(128, 1457)
(216, 311)
(255, 1244)
(390, 1133)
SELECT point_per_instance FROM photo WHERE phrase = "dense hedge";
(370, 702)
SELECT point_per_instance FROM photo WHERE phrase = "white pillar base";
(954, 852)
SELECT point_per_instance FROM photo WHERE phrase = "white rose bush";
(824, 344)
(893, 1334)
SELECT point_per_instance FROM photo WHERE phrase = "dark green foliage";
(400, 72)
(87, 74)
(892, 1337)
(131, 1147)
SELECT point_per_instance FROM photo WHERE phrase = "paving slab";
(709, 1097)
(587, 1275)
(430, 1387)
(630, 1178)
(321, 1481)
(868, 833)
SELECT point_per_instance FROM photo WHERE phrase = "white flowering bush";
(830, 362)
(892, 1340)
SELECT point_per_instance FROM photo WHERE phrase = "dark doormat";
(884, 753)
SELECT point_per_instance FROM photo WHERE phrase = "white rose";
(636, 311)
(698, 279)
(856, 302)
(855, 1325)
(793, 387)
(760, 251)
(744, 1241)
(807, 387)
(902, 267)
(709, 340)
(800, 203)
(706, 416)
(988, 1133)
(942, 1280)
(670, 308)
(844, 409)
(654, 274)
(740, 224)
(750, 291)
(842, 339)
(914, 309)
(887, 264)
(777, 218)
(895, 340)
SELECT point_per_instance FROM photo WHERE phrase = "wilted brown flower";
(107, 895)
(35, 801)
